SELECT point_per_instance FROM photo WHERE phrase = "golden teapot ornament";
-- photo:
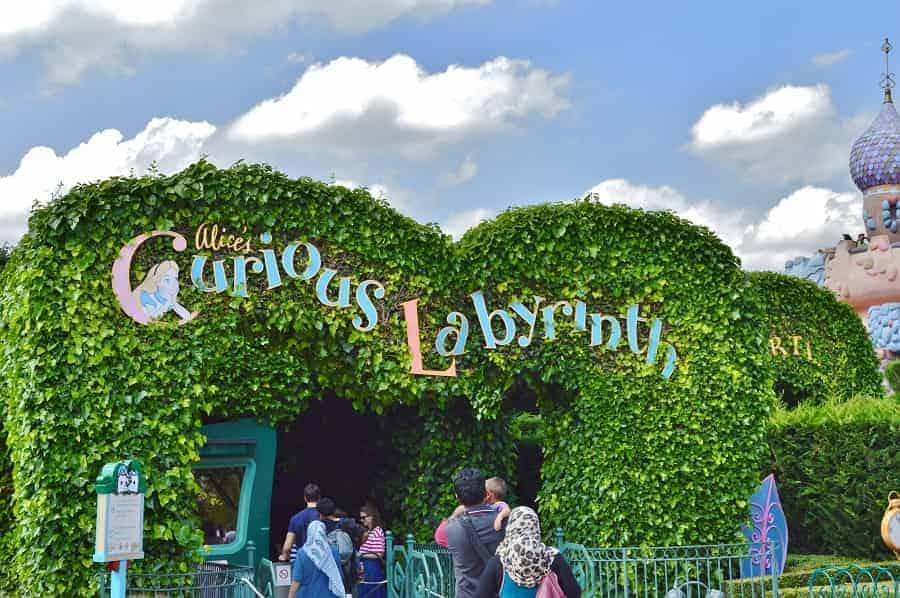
(890, 524)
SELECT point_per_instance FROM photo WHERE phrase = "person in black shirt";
(522, 562)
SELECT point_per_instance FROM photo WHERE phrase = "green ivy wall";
(628, 456)
(839, 362)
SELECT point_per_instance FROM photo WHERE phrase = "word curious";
(157, 295)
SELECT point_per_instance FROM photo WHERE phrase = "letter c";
(121, 272)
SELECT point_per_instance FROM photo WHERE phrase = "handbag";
(550, 587)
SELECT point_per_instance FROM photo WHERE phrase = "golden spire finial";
(887, 79)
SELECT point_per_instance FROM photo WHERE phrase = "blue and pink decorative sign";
(157, 295)
(769, 535)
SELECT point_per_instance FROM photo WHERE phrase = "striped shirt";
(374, 542)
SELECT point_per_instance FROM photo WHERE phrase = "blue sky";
(739, 117)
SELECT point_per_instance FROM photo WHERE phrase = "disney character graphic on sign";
(158, 294)
(133, 482)
(122, 481)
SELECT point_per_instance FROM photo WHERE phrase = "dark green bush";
(835, 465)
(818, 345)
(892, 373)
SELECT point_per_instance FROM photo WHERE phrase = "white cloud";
(788, 134)
(170, 144)
(726, 222)
(466, 172)
(457, 224)
(351, 104)
(777, 112)
(396, 197)
(806, 220)
(831, 58)
(78, 36)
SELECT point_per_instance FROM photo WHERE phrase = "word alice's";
(796, 346)
(157, 295)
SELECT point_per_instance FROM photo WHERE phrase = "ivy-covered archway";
(818, 345)
(652, 441)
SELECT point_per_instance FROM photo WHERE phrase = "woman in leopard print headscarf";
(524, 557)
(522, 562)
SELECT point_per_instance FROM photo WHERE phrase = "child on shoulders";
(495, 490)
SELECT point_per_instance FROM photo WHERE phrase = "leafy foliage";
(892, 373)
(842, 364)
(5, 250)
(628, 457)
(835, 464)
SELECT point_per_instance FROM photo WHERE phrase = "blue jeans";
(373, 572)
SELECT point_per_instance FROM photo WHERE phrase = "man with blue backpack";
(339, 532)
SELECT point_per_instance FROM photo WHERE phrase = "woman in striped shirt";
(372, 554)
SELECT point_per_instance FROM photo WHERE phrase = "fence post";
(559, 537)
(389, 562)
(774, 572)
(410, 544)
(251, 554)
(625, 570)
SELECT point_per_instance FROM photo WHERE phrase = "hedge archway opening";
(346, 451)
(630, 456)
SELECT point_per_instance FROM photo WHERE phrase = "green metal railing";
(711, 571)
(426, 571)
(420, 570)
(853, 581)
(211, 581)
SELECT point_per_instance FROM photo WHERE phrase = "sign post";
(120, 520)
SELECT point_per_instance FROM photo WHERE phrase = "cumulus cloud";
(397, 197)
(75, 37)
(168, 143)
(351, 105)
(831, 58)
(725, 221)
(466, 172)
(798, 224)
(788, 134)
(457, 224)
(808, 219)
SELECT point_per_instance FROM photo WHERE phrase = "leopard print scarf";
(524, 557)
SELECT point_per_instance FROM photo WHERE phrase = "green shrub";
(818, 345)
(628, 457)
(892, 373)
(835, 465)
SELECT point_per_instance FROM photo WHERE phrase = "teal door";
(235, 474)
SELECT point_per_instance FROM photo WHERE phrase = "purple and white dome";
(875, 157)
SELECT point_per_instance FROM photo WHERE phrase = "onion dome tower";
(875, 164)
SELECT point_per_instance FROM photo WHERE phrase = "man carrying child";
(474, 530)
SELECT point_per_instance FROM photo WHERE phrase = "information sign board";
(120, 512)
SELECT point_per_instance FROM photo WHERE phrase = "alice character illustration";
(132, 481)
(122, 481)
(158, 293)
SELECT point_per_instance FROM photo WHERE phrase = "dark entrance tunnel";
(342, 450)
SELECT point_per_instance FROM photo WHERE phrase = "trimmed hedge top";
(818, 345)
(630, 455)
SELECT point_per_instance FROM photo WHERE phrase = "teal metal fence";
(853, 581)
(212, 580)
(426, 571)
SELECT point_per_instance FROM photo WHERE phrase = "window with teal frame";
(226, 488)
